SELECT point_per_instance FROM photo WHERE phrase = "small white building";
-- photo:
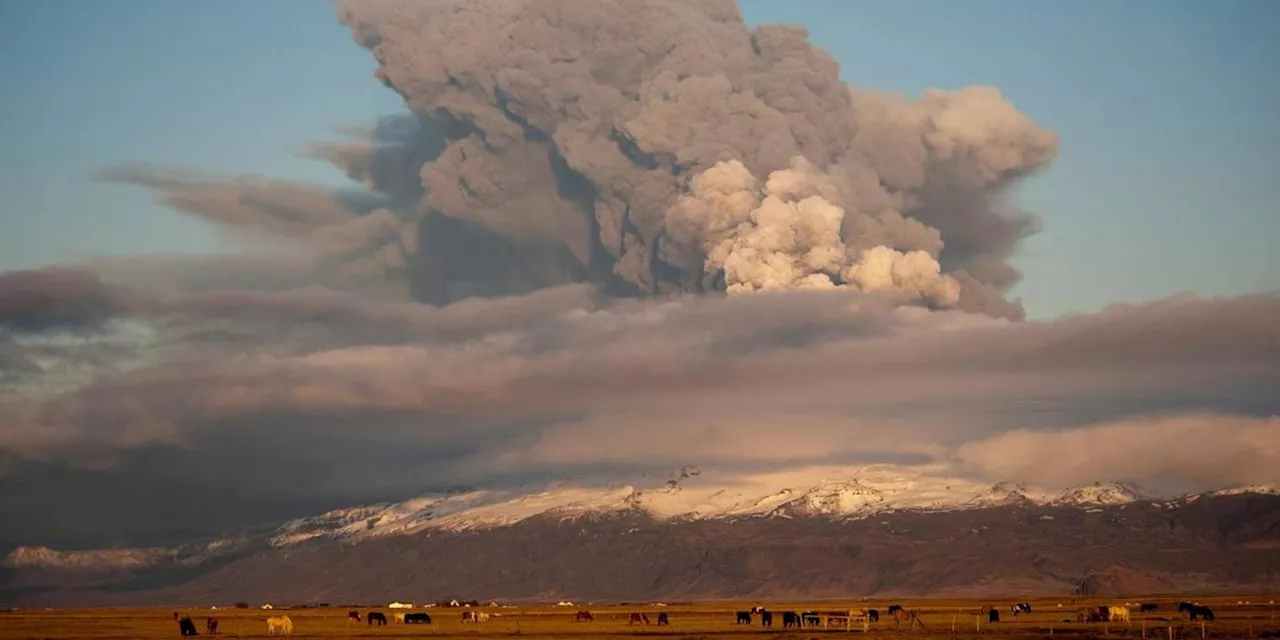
(400, 605)
(267, 606)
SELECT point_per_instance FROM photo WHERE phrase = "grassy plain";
(703, 620)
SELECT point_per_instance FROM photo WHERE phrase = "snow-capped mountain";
(689, 495)
(1100, 493)
(700, 534)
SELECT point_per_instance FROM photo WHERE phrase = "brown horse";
(583, 616)
(910, 617)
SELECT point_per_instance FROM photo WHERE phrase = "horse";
(583, 616)
(993, 615)
(211, 626)
(1147, 606)
(186, 627)
(353, 616)
(873, 615)
(1021, 607)
(894, 607)
(810, 619)
(766, 618)
(663, 620)
(790, 619)
(416, 618)
(480, 616)
(1118, 613)
(279, 625)
(638, 618)
(1093, 614)
(901, 615)
(744, 617)
(1201, 611)
(377, 617)
(468, 617)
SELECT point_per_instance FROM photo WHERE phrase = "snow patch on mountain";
(1099, 493)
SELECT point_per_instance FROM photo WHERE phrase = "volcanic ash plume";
(788, 237)
(622, 142)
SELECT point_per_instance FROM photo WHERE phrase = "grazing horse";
(279, 625)
(1118, 613)
(894, 607)
(397, 618)
(744, 617)
(353, 616)
(993, 615)
(810, 619)
(186, 627)
(1147, 606)
(480, 616)
(417, 618)
(583, 616)
(766, 618)
(901, 615)
(873, 615)
(1093, 614)
(1201, 611)
(211, 626)
(663, 620)
(468, 617)
(377, 617)
(638, 618)
(1021, 607)
(790, 619)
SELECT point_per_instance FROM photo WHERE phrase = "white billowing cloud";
(788, 236)
(1191, 450)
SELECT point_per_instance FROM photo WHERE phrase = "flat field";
(955, 619)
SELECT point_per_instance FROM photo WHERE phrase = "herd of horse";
(283, 625)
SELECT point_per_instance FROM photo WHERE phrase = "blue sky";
(1166, 108)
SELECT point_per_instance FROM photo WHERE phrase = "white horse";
(1119, 613)
(398, 617)
(281, 624)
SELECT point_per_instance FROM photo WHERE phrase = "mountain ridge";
(1220, 543)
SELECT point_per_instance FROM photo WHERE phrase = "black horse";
(873, 615)
(790, 619)
(1147, 606)
(1200, 611)
(744, 617)
(417, 618)
(186, 627)
(211, 626)
(662, 619)
(993, 615)
(766, 618)
(377, 617)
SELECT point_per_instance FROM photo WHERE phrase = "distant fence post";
(1201, 628)
(953, 625)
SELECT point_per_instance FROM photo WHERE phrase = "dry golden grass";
(707, 620)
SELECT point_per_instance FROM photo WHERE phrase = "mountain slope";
(1211, 542)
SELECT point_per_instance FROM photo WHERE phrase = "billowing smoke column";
(622, 142)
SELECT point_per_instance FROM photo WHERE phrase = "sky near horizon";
(1166, 112)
